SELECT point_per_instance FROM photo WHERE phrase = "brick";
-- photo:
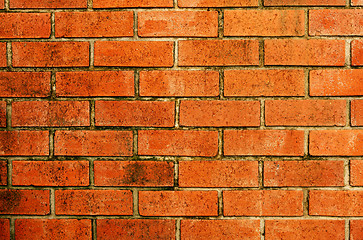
(264, 23)
(178, 203)
(305, 112)
(218, 3)
(357, 2)
(50, 173)
(335, 22)
(93, 202)
(179, 83)
(53, 229)
(24, 143)
(134, 54)
(303, 173)
(356, 172)
(220, 229)
(3, 61)
(304, 229)
(4, 228)
(131, 4)
(263, 203)
(24, 202)
(94, 24)
(48, 4)
(93, 143)
(357, 112)
(2, 114)
(304, 2)
(264, 82)
(356, 229)
(178, 143)
(314, 52)
(3, 173)
(25, 25)
(336, 203)
(141, 229)
(336, 143)
(357, 53)
(95, 84)
(50, 54)
(178, 24)
(2, 3)
(134, 173)
(264, 142)
(50, 113)
(135, 113)
(218, 52)
(218, 173)
(336, 82)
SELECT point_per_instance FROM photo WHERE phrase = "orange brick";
(336, 203)
(50, 54)
(134, 54)
(2, 3)
(50, 113)
(178, 24)
(264, 142)
(179, 83)
(336, 143)
(218, 3)
(3, 61)
(94, 24)
(357, 53)
(48, 4)
(218, 173)
(263, 203)
(356, 229)
(356, 172)
(3, 173)
(4, 228)
(93, 202)
(305, 112)
(357, 2)
(53, 229)
(131, 4)
(135, 113)
(219, 113)
(178, 203)
(95, 84)
(304, 2)
(178, 143)
(357, 112)
(2, 114)
(50, 173)
(25, 25)
(303, 173)
(264, 22)
(218, 52)
(134, 173)
(314, 52)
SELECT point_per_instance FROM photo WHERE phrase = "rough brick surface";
(304, 2)
(356, 172)
(217, 3)
(3, 58)
(5, 228)
(357, 53)
(3, 114)
(131, 4)
(356, 229)
(3, 173)
(357, 3)
(357, 112)
(48, 4)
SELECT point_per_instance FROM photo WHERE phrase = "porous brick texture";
(181, 119)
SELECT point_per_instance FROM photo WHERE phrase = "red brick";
(304, 2)
(93, 202)
(130, 229)
(94, 24)
(24, 143)
(264, 22)
(264, 142)
(135, 113)
(357, 53)
(220, 229)
(50, 54)
(134, 54)
(178, 143)
(357, 112)
(3, 61)
(131, 4)
(178, 24)
(218, 3)
(4, 228)
(95, 84)
(357, 2)
(93, 143)
(66, 229)
(264, 82)
(48, 4)
(335, 22)
(179, 83)
(356, 172)
(356, 229)
(3, 173)
(304, 229)
(24, 202)
(303, 173)
(336, 143)
(218, 173)
(178, 203)
(336, 82)
(2, 3)
(314, 52)
(2, 113)
(50, 113)
(305, 112)
(50, 173)
(263, 203)
(134, 173)
(218, 52)
(336, 203)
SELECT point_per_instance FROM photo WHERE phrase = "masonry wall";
(184, 119)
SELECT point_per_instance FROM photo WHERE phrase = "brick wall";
(184, 119)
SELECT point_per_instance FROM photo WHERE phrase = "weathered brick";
(218, 3)
(357, 112)
(357, 2)
(3, 60)
(304, 2)
(357, 53)
(131, 4)
(48, 4)
(356, 172)
(356, 227)
(2, 114)
(4, 228)
(3, 173)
